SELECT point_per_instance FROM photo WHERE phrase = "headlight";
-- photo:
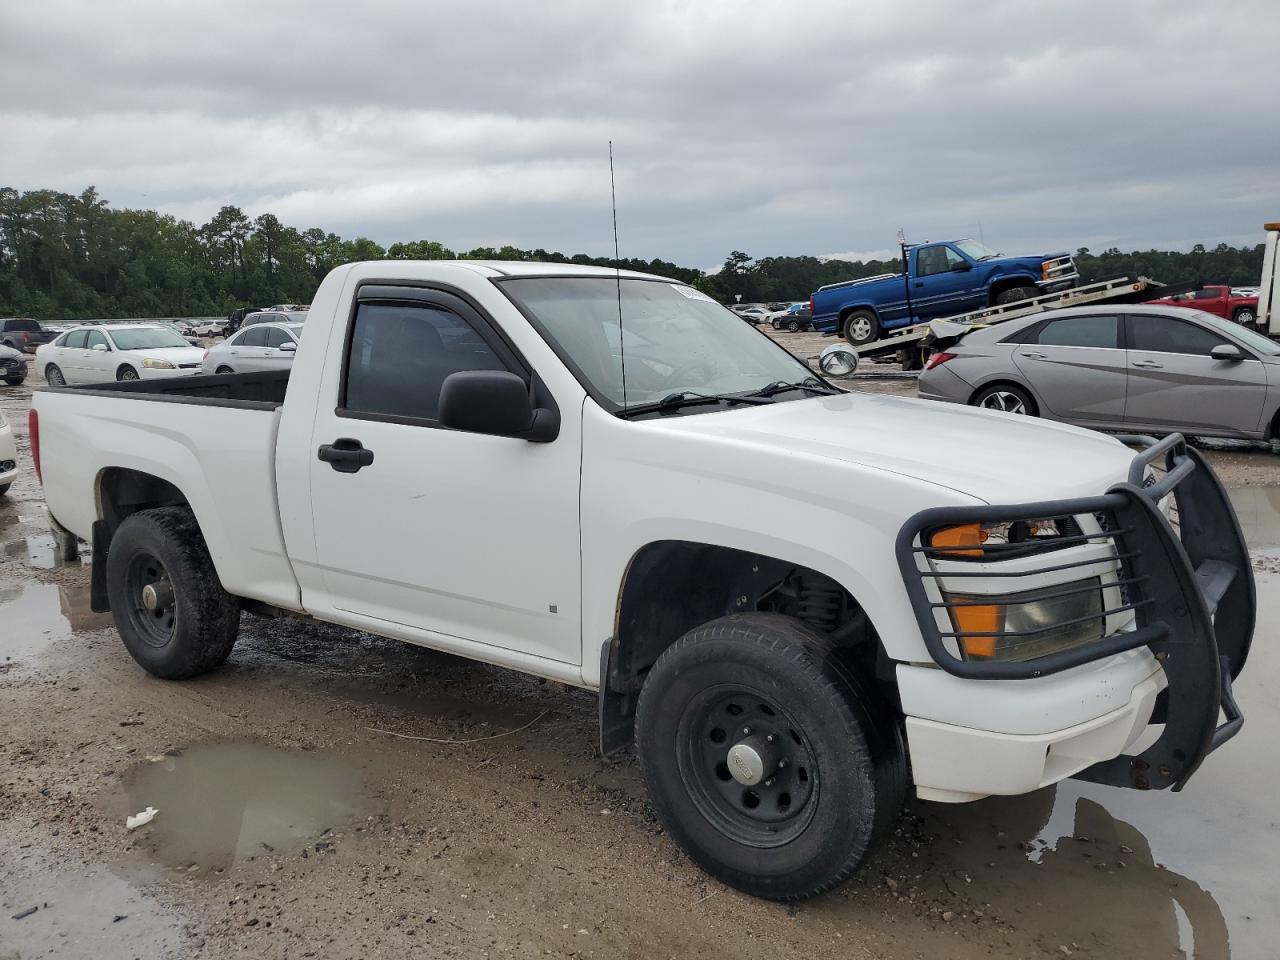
(151, 364)
(1028, 625)
(1002, 541)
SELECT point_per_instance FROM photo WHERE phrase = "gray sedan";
(1126, 368)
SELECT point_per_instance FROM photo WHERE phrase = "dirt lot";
(293, 823)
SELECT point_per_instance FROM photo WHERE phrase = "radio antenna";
(617, 276)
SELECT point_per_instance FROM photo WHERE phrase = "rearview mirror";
(838, 361)
(288, 346)
(100, 347)
(1226, 351)
(497, 403)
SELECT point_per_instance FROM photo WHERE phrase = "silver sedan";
(253, 349)
(1127, 368)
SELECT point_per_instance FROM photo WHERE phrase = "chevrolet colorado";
(797, 602)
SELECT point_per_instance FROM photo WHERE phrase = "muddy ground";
(293, 823)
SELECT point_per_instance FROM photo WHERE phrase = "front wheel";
(767, 760)
(53, 376)
(861, 326)
(1014, 294)
(793, 326)
(1007, 398)
(126, 373)
(167, 602)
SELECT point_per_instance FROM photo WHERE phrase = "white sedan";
(262, 346)
(116, 351)
(8, 456)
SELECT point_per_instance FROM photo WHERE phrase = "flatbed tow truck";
(913, 344)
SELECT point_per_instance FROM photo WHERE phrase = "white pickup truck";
(795, 600)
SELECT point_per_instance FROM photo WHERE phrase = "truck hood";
(990, 456)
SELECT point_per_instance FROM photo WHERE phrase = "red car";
(1218, 300)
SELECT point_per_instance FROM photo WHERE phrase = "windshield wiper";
(781, 386)
(687, 398)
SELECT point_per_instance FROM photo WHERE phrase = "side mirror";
(838, 361)
(1226, 351)
(497, 403)
(100, 347)
(961, 267)
(288, 346)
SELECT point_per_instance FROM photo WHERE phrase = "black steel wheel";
(769, 760)
(168, 604)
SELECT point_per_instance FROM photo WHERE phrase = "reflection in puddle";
(1259, 511)
(1139, 875)
(38, 551)
(231, 802)
(34, 615)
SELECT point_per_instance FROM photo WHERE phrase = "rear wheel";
(53, 376)
(861, 326)
(167, 602)
(793, 326)
(225, 369)
(1007, 398)
(1244, 316)
(1014, 294)
(771, 764)
(126, 373)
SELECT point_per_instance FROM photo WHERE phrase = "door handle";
(345, 455)
(1148, 364)
(1030, 355)
(919, 283)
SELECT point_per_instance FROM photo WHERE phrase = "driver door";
(942, 284)
(462, 534)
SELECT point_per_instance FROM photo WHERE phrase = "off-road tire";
(1014, 294)
(206, 618)
(127, 373)
(861, 326)
(53, 376)
(851, 738)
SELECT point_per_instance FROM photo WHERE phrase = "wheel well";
(125, 366)
(1008, 283)
(1273, 433)
(1021, 388)
(121, 493)
(844, 314)
(672, 586)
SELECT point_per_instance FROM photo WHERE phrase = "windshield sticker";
(689, 293)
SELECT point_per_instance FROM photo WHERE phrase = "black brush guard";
(1191, 591)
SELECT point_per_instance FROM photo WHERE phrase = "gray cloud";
(773, 128)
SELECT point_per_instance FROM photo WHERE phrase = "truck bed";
(251, 390)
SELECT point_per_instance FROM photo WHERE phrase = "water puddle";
(93, 913)
(223, 804)
(38, 551)
(1121, 873)
(1259, 511)
(35, 615)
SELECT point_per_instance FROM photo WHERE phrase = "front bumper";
(13, 369)
(1190, 595)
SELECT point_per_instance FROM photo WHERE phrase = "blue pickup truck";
(942, 279)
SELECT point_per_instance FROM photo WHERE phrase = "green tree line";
(65, 256)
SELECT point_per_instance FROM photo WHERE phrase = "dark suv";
(13, 366)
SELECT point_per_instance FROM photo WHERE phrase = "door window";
(1158, 334)
(254, 337)
(93, 338)
(276, 338)
(1099, 331)
(400, 355)
(75, 339)
(932, 260)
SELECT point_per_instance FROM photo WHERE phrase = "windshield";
(146, 338)
(975, 250)
(678, 340)
(1251, 339)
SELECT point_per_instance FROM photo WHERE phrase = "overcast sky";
(773, 128)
